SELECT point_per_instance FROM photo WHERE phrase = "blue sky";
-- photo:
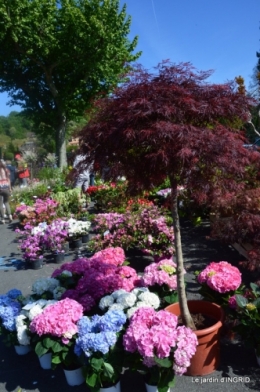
(222, 35)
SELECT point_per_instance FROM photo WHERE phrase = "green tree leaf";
(56, 56)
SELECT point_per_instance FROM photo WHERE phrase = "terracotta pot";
(207, 356)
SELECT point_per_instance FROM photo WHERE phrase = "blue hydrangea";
(14, 293)
(113, 320)
(99, 333)
(4, 299)
(8, 314)
(84, 325)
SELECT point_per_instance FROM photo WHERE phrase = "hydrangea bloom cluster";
(99, 333)
(32, 309)
(100, 280)
(221, 277)
(44, 285)
(161, 273)
(114, 256)
(28, 312)
(152, 333)
(22, 330)
(58, 320)
(10, 307)
(129, 302)
(98, 276)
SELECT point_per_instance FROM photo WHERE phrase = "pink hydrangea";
(163, 272)
(100, 275)
(152, 333)
(58, 320)
(115, 256)
(221, 277)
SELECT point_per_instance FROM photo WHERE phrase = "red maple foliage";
(173, 123)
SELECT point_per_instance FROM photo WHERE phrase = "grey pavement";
(238, 370)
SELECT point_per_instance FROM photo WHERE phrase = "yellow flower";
(250, 307)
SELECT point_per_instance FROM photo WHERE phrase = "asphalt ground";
(238, 370)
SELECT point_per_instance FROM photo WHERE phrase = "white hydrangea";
(150, 299)
(116, 306)
(131, 311)
(42, 285)
(139, 290)
(22, 330)
(37, 309)
(117, 293)
(126, 300)
(106, 302)
(33, 309)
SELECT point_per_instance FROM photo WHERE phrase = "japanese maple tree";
(173, 123)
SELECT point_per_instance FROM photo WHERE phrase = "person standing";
(82, 179)
(5, 191)
(12, 171)
(22, 171)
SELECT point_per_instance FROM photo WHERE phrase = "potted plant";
(246, 315)
(55, 238)
(99, 344)
(161, 278)
(74, 232)
(53, 333)
(130, 301)
(32, 248)
(178, 131)
(158, 347)
(10, 308)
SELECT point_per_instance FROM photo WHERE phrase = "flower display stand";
(74, 377)
(207, 356)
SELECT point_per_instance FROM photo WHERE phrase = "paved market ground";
(238, 370)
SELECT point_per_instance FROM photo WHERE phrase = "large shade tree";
(172, 123)
(56, 55)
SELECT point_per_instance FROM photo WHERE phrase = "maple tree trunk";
(185, 313)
